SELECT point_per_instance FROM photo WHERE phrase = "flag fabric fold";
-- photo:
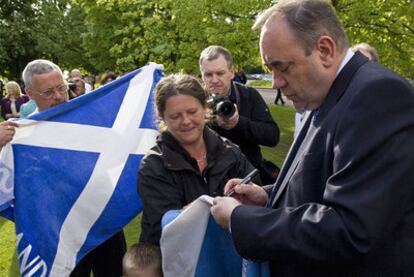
(72, 170)
(193, 244)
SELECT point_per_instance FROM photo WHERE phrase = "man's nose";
(59, 96)
(214, 78)
(278, 81)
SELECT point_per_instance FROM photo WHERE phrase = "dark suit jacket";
(345, 204)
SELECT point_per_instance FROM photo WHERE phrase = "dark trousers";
(105, 260)
(279, 97)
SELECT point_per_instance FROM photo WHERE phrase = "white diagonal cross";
(114, 145)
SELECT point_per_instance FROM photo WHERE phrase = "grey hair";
(38, 67)
(213, 52)
(309, 20)
(365, 46)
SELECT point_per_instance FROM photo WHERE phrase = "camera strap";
(237, 92)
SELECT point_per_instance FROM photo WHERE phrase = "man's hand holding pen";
(242, 193)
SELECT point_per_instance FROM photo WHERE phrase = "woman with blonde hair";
(10, 104)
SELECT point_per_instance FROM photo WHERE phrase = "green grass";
(259, 83)
(285, 119)
(283, 115)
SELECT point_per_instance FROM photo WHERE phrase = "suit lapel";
(287, 164)
(305, 137)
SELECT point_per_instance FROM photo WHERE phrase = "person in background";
(188, 160)
(279, 97)
(240, 77)
(27, 108)
(109, 77)
(80, 86)
(251, 125)
(75, 73)
(1, 88)
(343, 204)
(10, 104)
(142, 260)
(44, 83)
(367, 50)
(76, 87)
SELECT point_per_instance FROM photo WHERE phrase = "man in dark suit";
(343, 203)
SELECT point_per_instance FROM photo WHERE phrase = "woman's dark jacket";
(169, 177)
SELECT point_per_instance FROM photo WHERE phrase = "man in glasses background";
(44, 83)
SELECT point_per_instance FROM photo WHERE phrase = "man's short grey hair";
(213, 52)
(368, 48)
(309, 20)
(38, 67)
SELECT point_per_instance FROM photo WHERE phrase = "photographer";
(76, 87)
(250, 123)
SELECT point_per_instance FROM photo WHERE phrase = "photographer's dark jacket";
(255, 127)
(169, 177)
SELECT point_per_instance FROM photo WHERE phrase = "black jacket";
(170, 179)
(255, 127)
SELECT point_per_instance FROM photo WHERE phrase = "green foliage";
(126, 34)
(173, 33)
(386, 25)
(40, 29)
(16, 19)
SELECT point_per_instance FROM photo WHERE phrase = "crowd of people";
(343, 202)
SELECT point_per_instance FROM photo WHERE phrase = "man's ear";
(232, 73)
(29, 92)
(327, 50)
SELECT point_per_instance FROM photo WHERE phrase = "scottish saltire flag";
(193, 244)
(74, 169)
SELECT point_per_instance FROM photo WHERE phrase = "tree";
(40, 29)
(386, 25)
(173, 33)
(15, 36)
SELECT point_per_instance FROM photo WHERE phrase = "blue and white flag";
(69, 177)
(193, 244)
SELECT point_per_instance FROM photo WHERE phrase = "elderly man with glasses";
(44, 83)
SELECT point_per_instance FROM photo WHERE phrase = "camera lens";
(225, 109)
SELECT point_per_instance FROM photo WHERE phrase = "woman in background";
(188, 160)
(10, 104)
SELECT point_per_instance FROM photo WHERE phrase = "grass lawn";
(283, 115)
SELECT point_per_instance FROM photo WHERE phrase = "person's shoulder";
(153, 156)
(226, 145)
(24, 99)
(373, 73)
(245, 88)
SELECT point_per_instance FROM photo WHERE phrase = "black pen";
(245, 180)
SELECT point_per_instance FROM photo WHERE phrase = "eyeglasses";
(48, 93)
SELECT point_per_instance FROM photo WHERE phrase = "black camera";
(72, 86)
(222, 105)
